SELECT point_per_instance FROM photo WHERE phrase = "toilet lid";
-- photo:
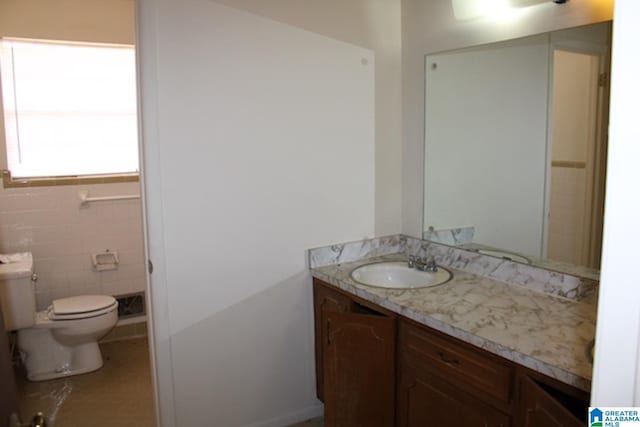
(81, 306)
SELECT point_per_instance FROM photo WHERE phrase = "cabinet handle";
(448, 360)
(328, 332)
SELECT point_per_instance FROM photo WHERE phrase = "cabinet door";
(359, 375)
(324, 300)
(540, 409)
(424, 400)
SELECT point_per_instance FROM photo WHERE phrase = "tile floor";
(119, 394)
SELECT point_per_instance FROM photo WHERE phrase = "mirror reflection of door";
(578, 147)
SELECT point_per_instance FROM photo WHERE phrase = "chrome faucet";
(423, 264)
(430, 265)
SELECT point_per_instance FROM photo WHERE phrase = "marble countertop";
(544, 332)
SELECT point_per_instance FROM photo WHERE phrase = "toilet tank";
(17, 293)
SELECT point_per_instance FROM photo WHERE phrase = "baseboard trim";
(292, 418)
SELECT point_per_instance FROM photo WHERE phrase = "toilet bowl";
(61, 340)
(63, 344)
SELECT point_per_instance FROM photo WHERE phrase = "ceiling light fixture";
(470, 9)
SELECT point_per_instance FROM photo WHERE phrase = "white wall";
(259, 144)
(48, 220)
(375, 25)
(430, 27)
(478, 131)
(615, 376)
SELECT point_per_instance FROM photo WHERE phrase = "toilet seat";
(81, 307)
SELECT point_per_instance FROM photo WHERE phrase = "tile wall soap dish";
(104, 261)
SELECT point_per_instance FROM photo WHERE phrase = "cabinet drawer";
(455, 362)
(425, 399)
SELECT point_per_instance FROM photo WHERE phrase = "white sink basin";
(396, 275)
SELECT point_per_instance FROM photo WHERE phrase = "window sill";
(9, 182)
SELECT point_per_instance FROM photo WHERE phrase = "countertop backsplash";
(354, 251)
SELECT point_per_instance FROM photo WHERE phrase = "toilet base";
(86, 358)
(45, 358)
(44, 376)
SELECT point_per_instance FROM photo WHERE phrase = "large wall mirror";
(515, 148)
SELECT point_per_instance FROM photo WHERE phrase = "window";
(69, 108)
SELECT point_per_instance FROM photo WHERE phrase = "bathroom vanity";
(471, 352)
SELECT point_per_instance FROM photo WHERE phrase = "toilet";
(61, 340)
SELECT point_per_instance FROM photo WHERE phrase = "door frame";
(155, 276)
(8, 388)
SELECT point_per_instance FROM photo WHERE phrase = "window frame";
(8, 181)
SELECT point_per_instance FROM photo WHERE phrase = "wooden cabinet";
(444, 383)
(483, 374)
(544, 406)
(355, 361)
(377, 368)
(325, 300)
(425, 400)
(359, 371)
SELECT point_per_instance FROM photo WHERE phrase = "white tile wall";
(49, 222)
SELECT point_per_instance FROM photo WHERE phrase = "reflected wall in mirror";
(515, 147)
